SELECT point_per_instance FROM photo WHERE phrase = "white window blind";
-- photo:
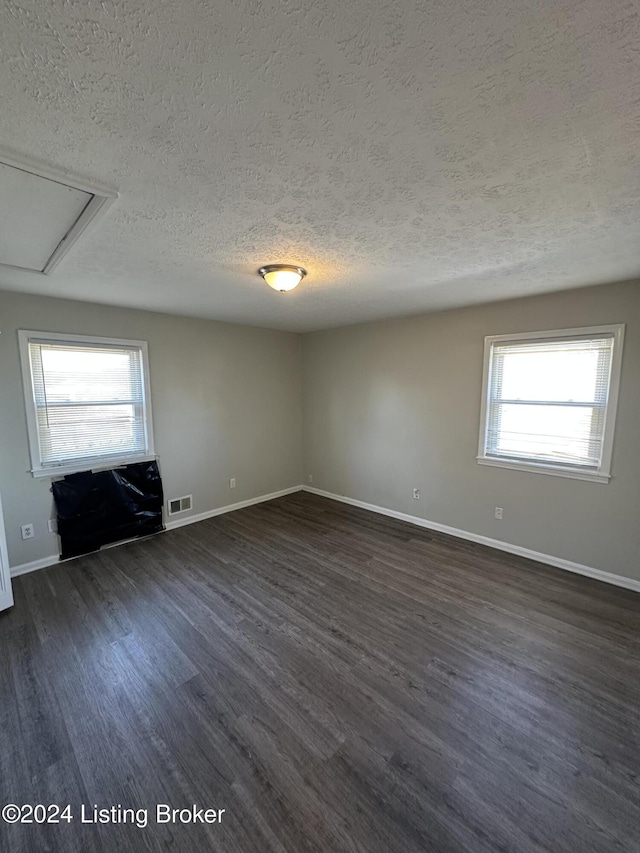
(89, 402)
(547, 399)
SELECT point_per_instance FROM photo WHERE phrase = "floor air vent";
(180, 504)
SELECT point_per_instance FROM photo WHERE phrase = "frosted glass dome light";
(282, 277)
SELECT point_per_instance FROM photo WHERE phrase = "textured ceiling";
(412, 155)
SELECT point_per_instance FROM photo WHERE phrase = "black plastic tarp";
(96, 509)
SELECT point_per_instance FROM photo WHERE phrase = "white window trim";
(603, 473)
(87, 463)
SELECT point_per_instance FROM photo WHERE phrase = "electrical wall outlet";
(310, 478)
(232, 483)
(52, 525)
(27, 531)
(498, 513)
(416, 494)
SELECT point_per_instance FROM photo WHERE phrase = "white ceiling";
(413, 155)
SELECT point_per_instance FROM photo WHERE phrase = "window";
(549, 401)
(87, 402)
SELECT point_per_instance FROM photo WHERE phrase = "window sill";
(91, 465)
(552, 470)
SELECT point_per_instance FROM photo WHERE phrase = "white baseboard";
(34, 565)
(548, 559)
(202, 516)
(54, 559)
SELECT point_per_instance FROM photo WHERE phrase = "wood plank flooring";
(335, 680)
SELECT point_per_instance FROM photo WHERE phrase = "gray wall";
(386, 407)
(226, 403)
(392, 405)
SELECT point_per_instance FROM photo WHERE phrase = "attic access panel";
(42, 215)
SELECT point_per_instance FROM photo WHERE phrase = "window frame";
(603, 473)
(93, 463)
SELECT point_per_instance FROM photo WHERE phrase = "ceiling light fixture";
(282, 277)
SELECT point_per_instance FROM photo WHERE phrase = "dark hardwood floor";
(333, 679)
